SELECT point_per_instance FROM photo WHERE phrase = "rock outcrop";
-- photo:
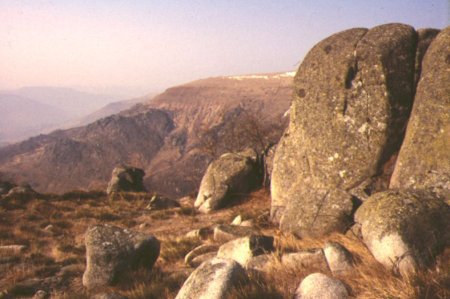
(320, 286)
(111, 250)
(213, 279)
(353, 95)
(227, 178)
(126, 179)
(404, 230)
(424, 159)
(339, 259)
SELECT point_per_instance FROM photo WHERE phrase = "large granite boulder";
(126, 179)
(213, 279)
(424, 159)
(404, 230)
(110, 251)
(227, 177)
(353, 94)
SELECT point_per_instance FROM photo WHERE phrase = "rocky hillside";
(172, 137)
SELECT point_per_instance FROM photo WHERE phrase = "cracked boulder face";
(353, 95)
(404, 230)
(226, 178)
(424, 159)
(110, 251)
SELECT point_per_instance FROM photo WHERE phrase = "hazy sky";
(140, 46)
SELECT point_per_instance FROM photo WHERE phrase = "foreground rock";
(244, 249)
(404, 229)
(312, 260)
(225, 233)
(213, 279)
(160, 203)
(320, 286)
(227, 178)
(126, 179)
(198, 251)
(339, 259)
(424, 159)
(353, 94)
(111, 250)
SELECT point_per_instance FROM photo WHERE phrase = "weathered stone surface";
(126, 179)
(200, 259)
(225, 233)
(201, 233)
(227, 177)
(160, 203)
(237, 220)
(424, 38)
(5, 187)
(41, 294)
(199, 250)
(108, 296)
(9, 250)
(212, 280)
(404, 229)
(261, 263)
(424, 159)
(312, 260)
(22, 192)
(353, 94)
(243, 249)
(339, 259)
(111, 250)
(320, 286)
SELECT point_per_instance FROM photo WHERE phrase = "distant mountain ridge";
(30, 111)
(167, 136)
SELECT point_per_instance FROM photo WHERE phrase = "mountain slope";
(172, 137)
(21, 117)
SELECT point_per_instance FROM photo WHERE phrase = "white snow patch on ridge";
(265, 77)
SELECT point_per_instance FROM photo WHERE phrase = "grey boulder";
(227, 178)
(404, 230)
(110, 251)
(214, 279)
(320, 286)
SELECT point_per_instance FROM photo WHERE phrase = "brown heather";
(53, 229)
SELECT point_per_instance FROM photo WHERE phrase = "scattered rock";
(213, 279)
(237, 220)
(159, 203)
(126, 179)
(201, 233)
(225, 233)
(202, 249)
(424, 158)
(200, 259)
(23, 192)
(11, 250)
(247, 223)
(261, 263)
(404, 229)
(339, 259)
(109, 296)
(111, 250)
(231, 175)
(352, 97)
(311, 260)
(320, 286)
(243, 249)
(5, 187)
(41, 294)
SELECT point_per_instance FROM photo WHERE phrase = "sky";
(136, 47)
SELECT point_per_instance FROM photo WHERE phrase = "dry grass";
(53, 227)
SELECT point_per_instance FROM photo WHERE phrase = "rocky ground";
(51, 255)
